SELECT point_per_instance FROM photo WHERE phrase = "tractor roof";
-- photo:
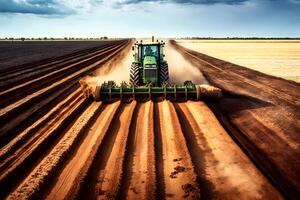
(149, 43)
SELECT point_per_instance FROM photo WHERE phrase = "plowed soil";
(261, 112)
(55, 144)
(25, 53)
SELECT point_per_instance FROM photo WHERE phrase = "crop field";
(279, 58)
(57, 144)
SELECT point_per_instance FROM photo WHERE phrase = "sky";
(144, 18)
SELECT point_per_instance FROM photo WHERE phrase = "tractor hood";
(150, 70)
(149, 60)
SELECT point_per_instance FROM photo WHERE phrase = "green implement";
(109, 91)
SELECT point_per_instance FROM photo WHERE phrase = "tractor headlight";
(151, 66)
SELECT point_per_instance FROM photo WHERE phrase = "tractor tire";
(135, 74)
(164, 73)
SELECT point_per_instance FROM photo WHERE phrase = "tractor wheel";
(164, 73)
(134, 74)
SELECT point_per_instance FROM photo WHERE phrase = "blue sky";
(143, 18)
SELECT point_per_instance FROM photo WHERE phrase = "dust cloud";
(117, 70)
(180, 69)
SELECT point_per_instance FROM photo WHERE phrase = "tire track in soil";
(40, 175)
(67, 183)
(104, 177)
(179, 176)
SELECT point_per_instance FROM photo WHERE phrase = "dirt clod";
(134, 190)
(191, 190)
(178, 169)
(177, 159)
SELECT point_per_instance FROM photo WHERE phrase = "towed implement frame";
(110, 91)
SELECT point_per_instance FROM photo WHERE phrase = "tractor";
(149, 66)
(149, 79)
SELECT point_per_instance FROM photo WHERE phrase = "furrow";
(18, 92)
(29, 144)
(180, 180)
(22, 161)
(138, 179)
(224, 171)
(68, 181)
(104, 177)
(52, 60)
(47, 120)
(12, 81)
(24, 111)
(35, 69)
(159, 167)
(54, 85)
(110, 176)
(39, 176)
(7, 114)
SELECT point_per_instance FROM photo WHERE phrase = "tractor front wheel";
(134, 74)
(164, 73)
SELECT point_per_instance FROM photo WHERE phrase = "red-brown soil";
(262, 113)
(55, 144)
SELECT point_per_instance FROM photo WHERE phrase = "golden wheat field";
(279, 58)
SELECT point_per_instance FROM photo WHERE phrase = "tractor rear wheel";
(164, 73)
(134, 74)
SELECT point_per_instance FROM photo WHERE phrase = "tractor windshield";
(150, 50)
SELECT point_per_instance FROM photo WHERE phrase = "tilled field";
(25, 53)
(55, 144)
(261, 112)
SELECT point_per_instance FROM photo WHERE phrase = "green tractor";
(149, 79)
(149, 66)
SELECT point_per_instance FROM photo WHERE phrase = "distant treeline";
(51, 38)
(241, 38)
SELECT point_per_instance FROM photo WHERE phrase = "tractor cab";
(149, 61)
